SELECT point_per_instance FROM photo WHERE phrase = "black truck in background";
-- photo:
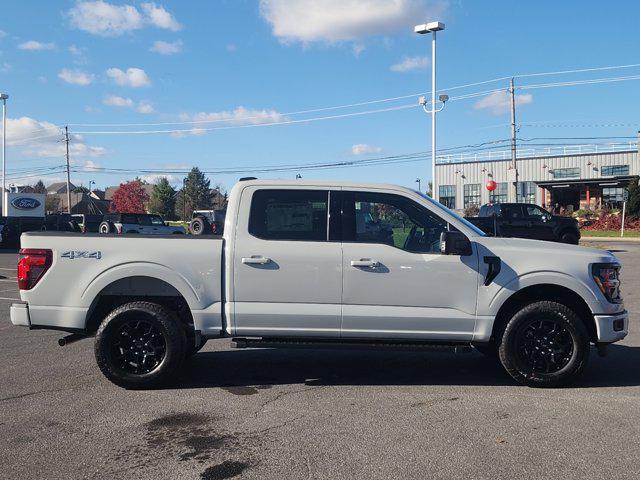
(526, 220)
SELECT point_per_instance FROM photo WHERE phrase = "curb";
(611, 239)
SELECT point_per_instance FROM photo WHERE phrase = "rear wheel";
(140, 345)
(105, 227)
(545, 344)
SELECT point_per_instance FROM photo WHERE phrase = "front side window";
(534, 211)
(471, 195)
(129, 218)
(289, 215)
(391, 220)
(447, 195)
(156, 220)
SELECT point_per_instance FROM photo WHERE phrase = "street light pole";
(418, 182)
(432, 27)
(4, 98)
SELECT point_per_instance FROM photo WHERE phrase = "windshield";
(466, 223)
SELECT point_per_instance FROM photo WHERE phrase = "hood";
(543, 252)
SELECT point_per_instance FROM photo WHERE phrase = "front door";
(541, 227)
(397, 284)
(287, 273)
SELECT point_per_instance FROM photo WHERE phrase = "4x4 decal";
(71, 254)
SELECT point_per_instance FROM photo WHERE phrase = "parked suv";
(137, 223)
(207, 222)
(526, 220)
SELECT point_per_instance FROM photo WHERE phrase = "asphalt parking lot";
(315, 413)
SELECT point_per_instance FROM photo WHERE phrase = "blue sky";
(242, 63)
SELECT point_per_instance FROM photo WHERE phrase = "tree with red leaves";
(130, 197)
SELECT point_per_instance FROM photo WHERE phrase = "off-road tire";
(566, 319)
(198, 226)
(164, 321)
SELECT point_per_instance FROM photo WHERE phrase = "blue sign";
(25, 203)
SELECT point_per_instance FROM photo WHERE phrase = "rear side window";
(512, 211)
(289, 215)
(129, 218)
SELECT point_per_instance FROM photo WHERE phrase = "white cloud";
(159, 17)
(76, 77)
(116, 101)
(338, 20)
(408, 64)
(500, 102)
(108, 20)
(133, 77)
(167, 48)
(364, 149)
(144, 107)
(34, 45)
(43, 139)
(155, 178)
(74, 50)
(239, 116)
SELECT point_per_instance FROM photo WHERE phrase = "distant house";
(59, 187)
(81, 203)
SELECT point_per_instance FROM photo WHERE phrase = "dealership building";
(571, 176)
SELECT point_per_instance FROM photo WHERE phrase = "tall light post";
(4, 97)
(432, 27)
(418, 182)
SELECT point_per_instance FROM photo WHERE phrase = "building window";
(613, 170)
(447, 195)
(566, 172)
(526, 192)
(613, 197)
(500, 194)
(471, 194)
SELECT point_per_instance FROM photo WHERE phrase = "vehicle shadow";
(262, 368)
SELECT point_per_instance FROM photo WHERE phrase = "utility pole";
(4, 97)
(514, 165)
(66, 141)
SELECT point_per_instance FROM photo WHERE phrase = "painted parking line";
(12, 280)
(7, 298)
(11, 269)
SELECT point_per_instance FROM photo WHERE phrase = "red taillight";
(32, 265)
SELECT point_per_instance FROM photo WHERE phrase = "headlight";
(607, 277)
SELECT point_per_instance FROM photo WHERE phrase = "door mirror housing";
(454, 243)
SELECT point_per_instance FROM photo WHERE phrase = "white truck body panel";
(312, 289)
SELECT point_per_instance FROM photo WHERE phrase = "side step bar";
(241, 342)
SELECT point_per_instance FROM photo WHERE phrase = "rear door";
(287, 271)
(514, 223)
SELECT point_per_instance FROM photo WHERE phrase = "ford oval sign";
(25, 203)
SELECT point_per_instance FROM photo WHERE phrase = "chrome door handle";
(364, 262)
(255, 260)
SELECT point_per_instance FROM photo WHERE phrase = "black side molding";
(494, 264)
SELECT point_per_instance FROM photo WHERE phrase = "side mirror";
(454, 243)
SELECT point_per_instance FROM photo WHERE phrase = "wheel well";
(132, 289)
(536, 293)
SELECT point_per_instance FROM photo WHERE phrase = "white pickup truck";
(307, 263)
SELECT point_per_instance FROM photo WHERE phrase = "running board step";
(239, 342)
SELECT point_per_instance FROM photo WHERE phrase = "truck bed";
(85, 266)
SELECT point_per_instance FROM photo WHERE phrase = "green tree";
(194, 195)
(163, 199)
(633, 205)
(39, 187)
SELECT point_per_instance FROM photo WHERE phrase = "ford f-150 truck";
(307, 263)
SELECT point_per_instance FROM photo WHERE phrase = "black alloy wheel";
(138, 347)
(544, 346)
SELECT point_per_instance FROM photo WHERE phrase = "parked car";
(143, 223)
(88, 222)
(207, 222)
(526, 220)
(295, 268)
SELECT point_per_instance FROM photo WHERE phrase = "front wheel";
(140, 345)
(570, 238)
(545, 344)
